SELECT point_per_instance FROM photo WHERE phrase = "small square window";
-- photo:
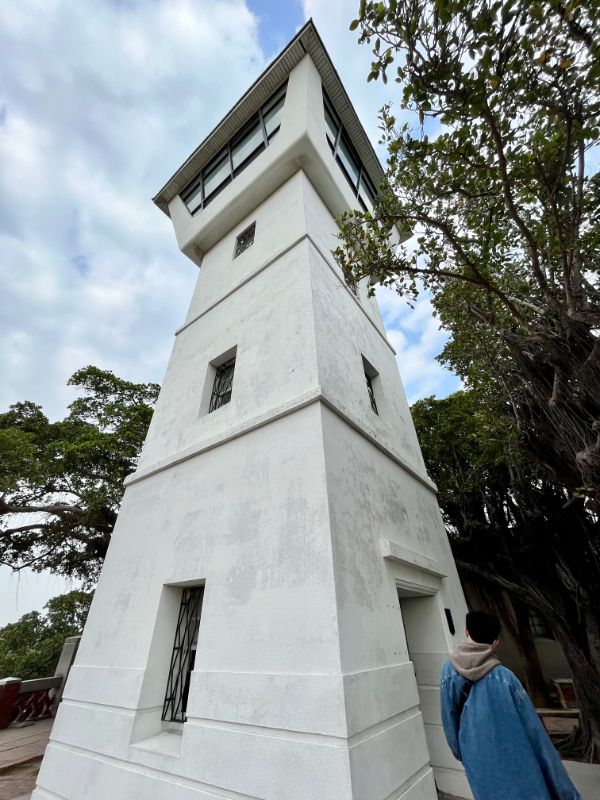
(221, 392)
(244, 240)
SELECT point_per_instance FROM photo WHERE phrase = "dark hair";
(482, 627)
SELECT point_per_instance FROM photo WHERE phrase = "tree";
(61, 483)
(30, 648)
(495, 188)
(508, 524)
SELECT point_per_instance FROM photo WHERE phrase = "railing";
(35, 699)
(28, 701)
(566, 693)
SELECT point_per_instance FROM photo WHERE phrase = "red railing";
(28, 701)
(35, 699)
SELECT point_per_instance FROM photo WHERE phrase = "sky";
(100, 102)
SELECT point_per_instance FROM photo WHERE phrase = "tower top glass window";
(237, 154)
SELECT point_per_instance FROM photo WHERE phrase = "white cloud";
(99, 105)
(27, 590)
(417, 338)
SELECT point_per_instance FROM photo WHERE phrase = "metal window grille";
(244, 240)
(221, 393)
(371, 393)
(184, 655)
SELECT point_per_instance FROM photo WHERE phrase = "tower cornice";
(307, 40)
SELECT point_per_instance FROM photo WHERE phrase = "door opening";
(425, 628)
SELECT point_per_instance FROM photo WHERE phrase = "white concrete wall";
(339, 318)
(250, 519)
(268, 318)
(372, 498)
(280, 221)
(298, 507)
(275, 306)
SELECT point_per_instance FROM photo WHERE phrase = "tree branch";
(58, 509)
(577, 31)
(21, 529)
(529, 596)
(510, 203)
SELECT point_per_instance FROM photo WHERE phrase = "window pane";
(331, 126)
(348, 161)
(367, 192)
(216, 174)
(250, 142)
(272, 117)
(194, 199)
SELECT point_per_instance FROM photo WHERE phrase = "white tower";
(279, 572)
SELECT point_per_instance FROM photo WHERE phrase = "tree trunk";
(526, 643)
(585, 670)
(586, 680)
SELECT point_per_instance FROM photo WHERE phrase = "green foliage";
(500, 507)
(30, 648)
(513, 527)
(503, 211)
(61, 483)
(493, 188)
(472, 455)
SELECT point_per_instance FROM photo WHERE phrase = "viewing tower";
(279, 594)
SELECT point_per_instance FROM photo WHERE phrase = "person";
(491, 724)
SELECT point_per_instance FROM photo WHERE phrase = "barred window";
(184, 655)
(244, 240)
(371, 394)
(221, 392)
(372, 380)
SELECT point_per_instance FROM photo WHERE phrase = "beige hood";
(473, 661)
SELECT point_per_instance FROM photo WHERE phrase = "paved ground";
(18, 782)
(21, 750)
(586, 778)
(22, 745)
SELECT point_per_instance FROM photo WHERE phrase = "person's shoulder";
(448, 671)
(502, 674)
(505, 674)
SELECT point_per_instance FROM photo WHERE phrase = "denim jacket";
(505, 750)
